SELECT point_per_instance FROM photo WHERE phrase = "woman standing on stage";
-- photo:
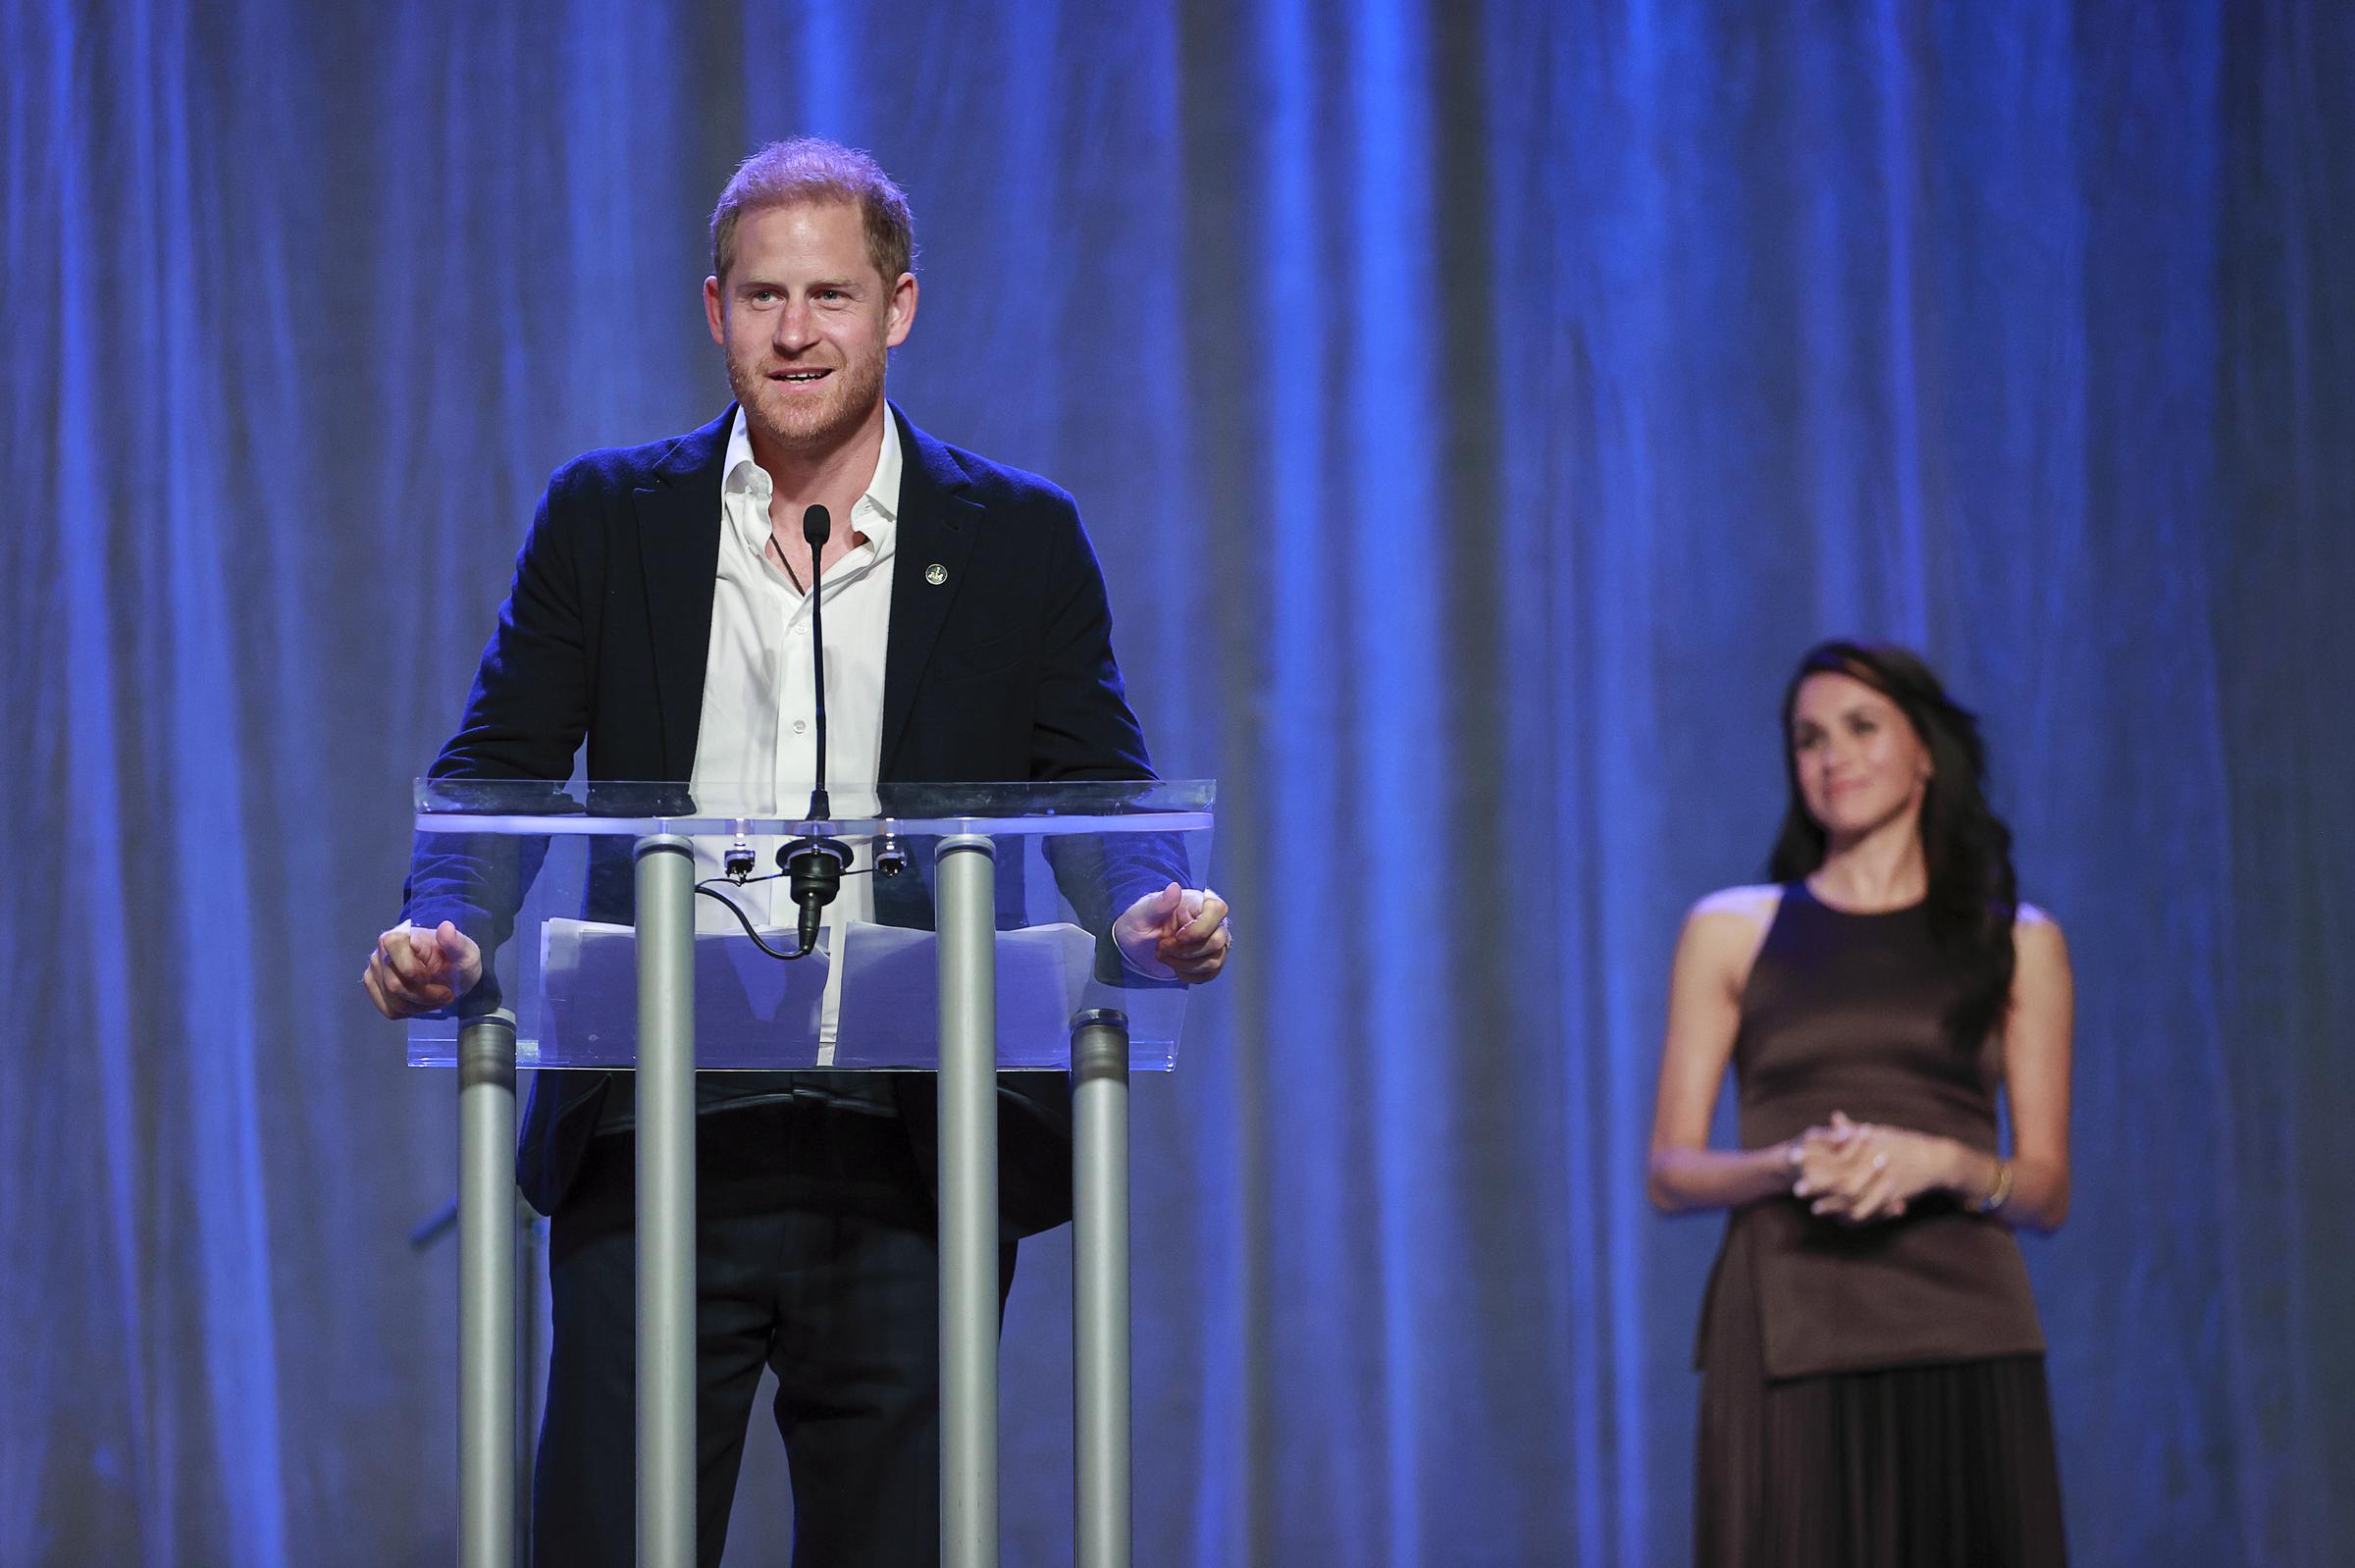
(1872, 1370)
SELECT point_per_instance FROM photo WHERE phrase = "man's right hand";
(414, 971)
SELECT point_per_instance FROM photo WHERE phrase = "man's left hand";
(1178, 933)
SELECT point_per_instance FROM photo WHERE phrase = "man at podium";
(659, 613)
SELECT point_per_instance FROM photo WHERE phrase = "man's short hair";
(814, 168)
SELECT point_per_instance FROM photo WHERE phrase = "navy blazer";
(1002, 672)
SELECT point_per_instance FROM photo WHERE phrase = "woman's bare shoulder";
(1753, 905)
(2035, 934)
(1724, 931)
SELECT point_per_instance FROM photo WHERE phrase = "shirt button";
(800, 726)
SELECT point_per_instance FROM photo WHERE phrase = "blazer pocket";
(978, 661)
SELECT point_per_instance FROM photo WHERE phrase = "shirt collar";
(877, 512)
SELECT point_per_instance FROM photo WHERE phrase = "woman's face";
(1859, 763)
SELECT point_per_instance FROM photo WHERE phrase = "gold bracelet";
(2002, 1191)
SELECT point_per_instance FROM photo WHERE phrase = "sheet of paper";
(891, 996)
(751, 1011)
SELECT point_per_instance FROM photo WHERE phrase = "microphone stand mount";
(815, 864)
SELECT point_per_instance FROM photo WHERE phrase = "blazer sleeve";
(529, 710)
(1081, 724)
(1083, 728)
(525, 719)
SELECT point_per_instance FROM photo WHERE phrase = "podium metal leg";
(487, 1408)
(1102, 1462)
(965, 919)
(665, 1202)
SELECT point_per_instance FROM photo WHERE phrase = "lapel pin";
(936, 574)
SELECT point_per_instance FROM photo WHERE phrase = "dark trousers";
(815, 1256)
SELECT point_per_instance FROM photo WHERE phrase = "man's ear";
(900, 313)
(714, 313)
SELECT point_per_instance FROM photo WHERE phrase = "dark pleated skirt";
(1916, 1467)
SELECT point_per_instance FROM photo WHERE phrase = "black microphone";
(817, 526)
(815, 864)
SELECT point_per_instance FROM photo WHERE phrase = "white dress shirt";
(759, 734)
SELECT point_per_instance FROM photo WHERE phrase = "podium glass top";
(540, 876)
(637, 808)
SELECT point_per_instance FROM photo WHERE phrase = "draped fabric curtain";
(1477, 409)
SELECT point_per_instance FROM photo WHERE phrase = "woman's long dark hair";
(1974, 894)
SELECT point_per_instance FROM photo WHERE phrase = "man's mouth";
(799, 377)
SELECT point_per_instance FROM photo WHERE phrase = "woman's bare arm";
(1714, 954)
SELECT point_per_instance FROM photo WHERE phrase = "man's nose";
(794, 324)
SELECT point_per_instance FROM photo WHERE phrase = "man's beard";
(817, 424)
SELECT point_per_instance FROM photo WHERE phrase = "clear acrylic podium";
(972, 934)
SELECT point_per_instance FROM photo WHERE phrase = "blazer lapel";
(937, 525)
(678, 554)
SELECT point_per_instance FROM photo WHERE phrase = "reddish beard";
(850, 393)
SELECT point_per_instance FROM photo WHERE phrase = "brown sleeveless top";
(1845, 1013)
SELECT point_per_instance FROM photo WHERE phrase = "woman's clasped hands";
(1861, 1172)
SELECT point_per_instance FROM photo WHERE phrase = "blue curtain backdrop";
(1477, 407)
